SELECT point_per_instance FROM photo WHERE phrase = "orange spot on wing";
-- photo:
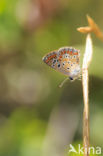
(52, 56)
(60, 56)
(76, 53)
(71, 52)
(47, 61)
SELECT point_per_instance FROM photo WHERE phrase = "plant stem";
(85, 113)
(86, 61)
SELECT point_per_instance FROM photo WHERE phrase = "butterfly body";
(64, 60)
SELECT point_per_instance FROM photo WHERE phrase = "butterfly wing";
(51, 59)
(69, 58)
(65, 60)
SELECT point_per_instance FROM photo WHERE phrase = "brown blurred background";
(36, 117)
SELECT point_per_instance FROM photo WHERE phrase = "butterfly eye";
(71, 78)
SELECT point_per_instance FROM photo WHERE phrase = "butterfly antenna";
(62, 83)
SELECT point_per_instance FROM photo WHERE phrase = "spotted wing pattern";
(51, 59)
(65, 60)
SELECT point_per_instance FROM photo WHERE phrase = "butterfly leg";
(62, 83)
(80, 77)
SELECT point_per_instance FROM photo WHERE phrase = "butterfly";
(65, 60)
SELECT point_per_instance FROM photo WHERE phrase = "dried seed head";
(93, 27)
(85, 29)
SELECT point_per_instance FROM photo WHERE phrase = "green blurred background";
(36, 117)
